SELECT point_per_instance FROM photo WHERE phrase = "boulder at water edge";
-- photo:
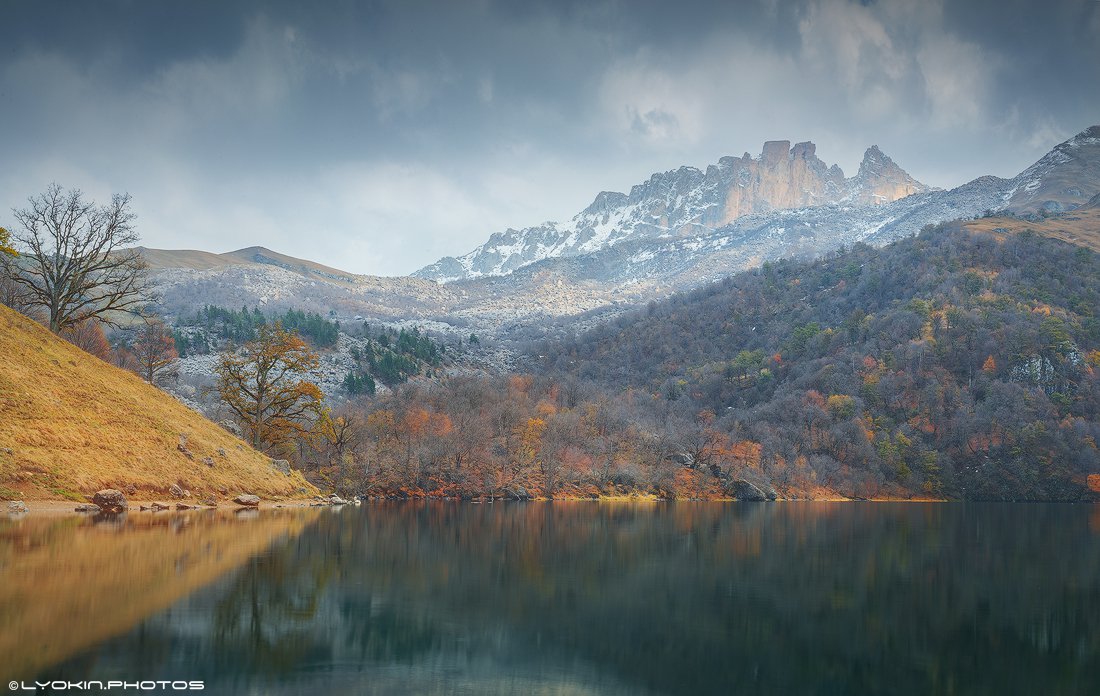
(110, 500)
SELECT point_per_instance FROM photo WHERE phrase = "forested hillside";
(948, 365)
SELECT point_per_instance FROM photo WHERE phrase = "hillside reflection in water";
(67, 583)
(649, 598)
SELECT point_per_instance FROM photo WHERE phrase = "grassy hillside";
(160, 259)
(1080, 227)
(261, 255)
(192, 259)
(71, 424)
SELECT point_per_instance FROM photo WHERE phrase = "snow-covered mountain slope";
(688, 203)
(1065, 178)
(639, 265)
(637, 269)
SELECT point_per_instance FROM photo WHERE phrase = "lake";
(563, 598)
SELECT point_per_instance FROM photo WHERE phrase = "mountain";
(946, 365)
(951, 363)
(638, 268)
(186, 280)
(630, 248)
(71, 424)
(258, 256)
(1064, 179)
(688, 203)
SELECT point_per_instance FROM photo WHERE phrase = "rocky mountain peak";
(1065, 178)
(880, 180)
(775, 152)
(606, 201)
(1089, 136)
(806, 150)
(688, 202)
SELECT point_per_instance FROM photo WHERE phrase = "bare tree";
(12, 294)
(76, 265)
(154, 349)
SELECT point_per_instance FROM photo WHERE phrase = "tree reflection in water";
(680, 598)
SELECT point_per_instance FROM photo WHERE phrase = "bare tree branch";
(78, 262)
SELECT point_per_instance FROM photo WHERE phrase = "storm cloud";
(379, 136)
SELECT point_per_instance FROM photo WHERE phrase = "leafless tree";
(12, 294)
(76, 264)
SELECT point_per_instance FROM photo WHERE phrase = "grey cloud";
(400, 131)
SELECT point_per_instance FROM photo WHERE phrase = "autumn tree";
(89, 337)
(5, 243)
(264, 384)
(154, 350)
(79, 261)
(337, 441)
(12, 294)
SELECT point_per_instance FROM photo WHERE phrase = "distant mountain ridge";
(161, 259)
(645, 262)
(689, 202)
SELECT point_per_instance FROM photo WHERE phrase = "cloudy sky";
(379, 136)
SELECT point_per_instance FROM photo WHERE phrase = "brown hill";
(1080, 226)
(191, 259)
(71, 424)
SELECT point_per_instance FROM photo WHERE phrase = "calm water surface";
(573, 598)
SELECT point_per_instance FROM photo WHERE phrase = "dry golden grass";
(204, 260)
(67, 583)
(75, 424)
(1080, 227)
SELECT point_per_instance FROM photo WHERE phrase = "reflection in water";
(683, 598)
(69, 583)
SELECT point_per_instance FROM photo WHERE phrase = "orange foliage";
(259, 384)
(814, 398)
(747, 453)
(1094, 483)
(88, 336)
(545, 408)
(415, 422)
(442, 424)
(923, 423)
(520, 384)
(382, 425)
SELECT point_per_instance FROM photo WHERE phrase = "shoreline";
(55, 508)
